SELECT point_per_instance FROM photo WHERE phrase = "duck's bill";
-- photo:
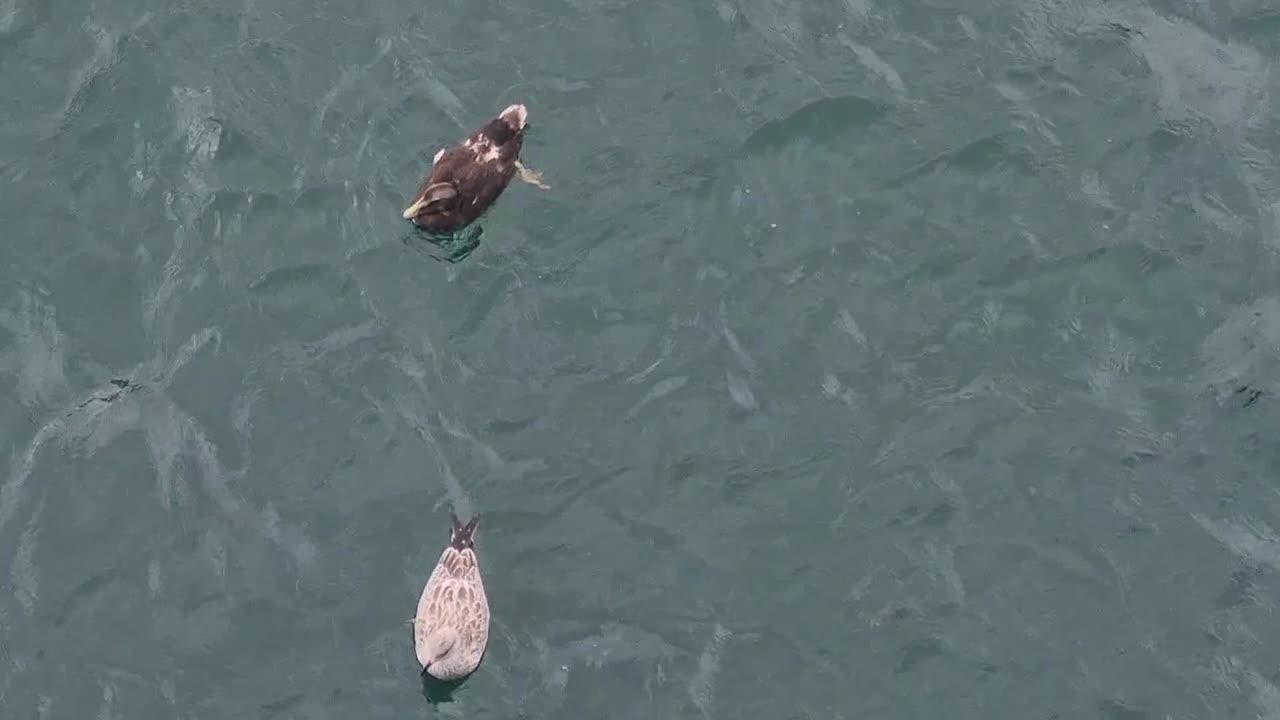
(412, 211)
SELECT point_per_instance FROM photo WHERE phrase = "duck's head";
(509, 125)
(440, 655)
(515, 116)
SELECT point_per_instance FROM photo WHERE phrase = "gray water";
(867, 359)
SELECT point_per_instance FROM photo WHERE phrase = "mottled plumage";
(451, 627)
(468, 178)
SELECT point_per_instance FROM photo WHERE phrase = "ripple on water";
(36, 354)
(821, 121)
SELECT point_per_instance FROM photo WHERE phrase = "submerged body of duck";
(451, 626)
(468, 178)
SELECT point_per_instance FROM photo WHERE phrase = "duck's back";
(478, 183)
(454, 597)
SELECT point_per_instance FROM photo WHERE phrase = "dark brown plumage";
(467, 178)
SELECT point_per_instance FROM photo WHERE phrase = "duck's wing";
(462, 605)
(475, 625)
(439, 197)
(450, 602)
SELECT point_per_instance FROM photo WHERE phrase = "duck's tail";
(461, 537)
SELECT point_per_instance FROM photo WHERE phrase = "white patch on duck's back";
(484, 149)
(439, 154)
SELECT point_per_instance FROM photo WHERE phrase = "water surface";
(867, 359)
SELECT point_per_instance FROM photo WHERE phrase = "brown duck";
(467, 178)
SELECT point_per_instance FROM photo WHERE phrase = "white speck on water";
(711, 271)
(830, 385)
(1265, 695)
(1091, 186)
(659, 391)
(740, 391)
(8, 12)
(1251, 540)
(38, 353)
(702, 684)
(873, 62)
(23, 572)
(942, 558)
(849, 326)
(153, 576)
(991, 312)
(734, 345)
(667, 345)
(108, 697)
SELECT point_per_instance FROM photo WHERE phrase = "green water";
(865, 360)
